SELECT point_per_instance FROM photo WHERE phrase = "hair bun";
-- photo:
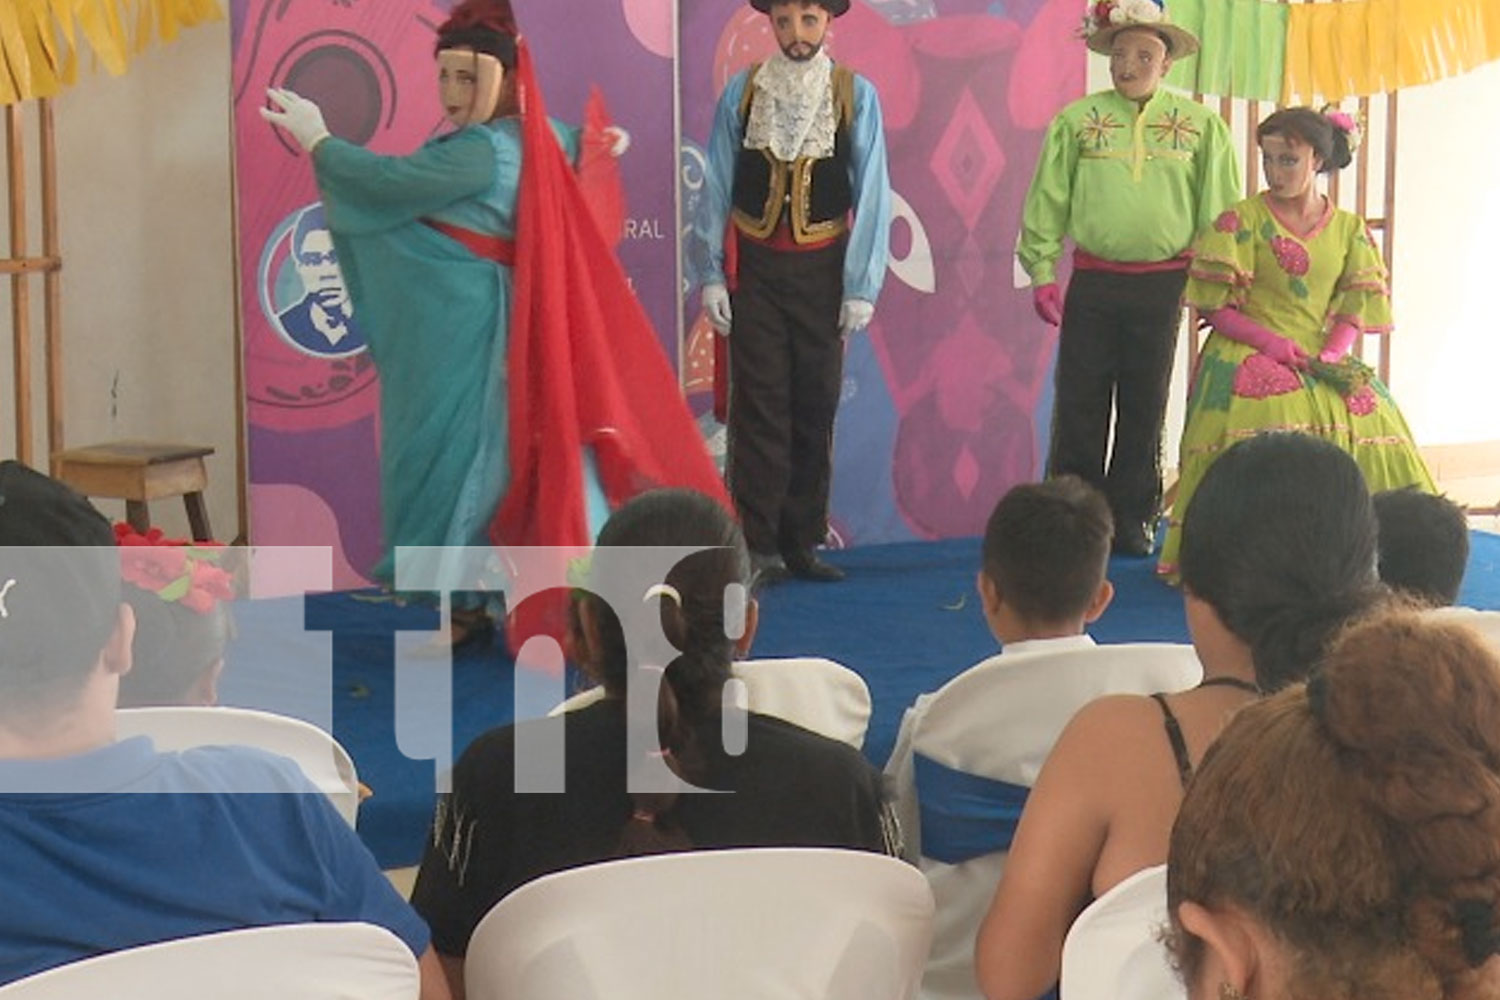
(493, 15)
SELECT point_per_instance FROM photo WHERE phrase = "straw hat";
(1107, 18)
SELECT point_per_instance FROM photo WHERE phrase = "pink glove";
(1237, 326)
(1047, 301)
(1340, 339)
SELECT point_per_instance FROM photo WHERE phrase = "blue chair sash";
(963, 815)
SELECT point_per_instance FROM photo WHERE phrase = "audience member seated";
(110, 845)
(1424, 544)
(1041, 583)
(1342, 838)
(966, 753)
(176, 592)
(789, 787)
(1278, 551)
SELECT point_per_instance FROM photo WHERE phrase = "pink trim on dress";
(1322, 223)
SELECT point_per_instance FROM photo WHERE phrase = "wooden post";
(1388, 244)
(51, 278)
(20, 301)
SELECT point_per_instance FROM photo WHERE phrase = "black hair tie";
(1475, 918)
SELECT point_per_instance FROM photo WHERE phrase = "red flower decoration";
(207, 585)
(1228, 222)
(174, 570)
(1259, 377)
(152, 567)
(1291, 255)
(1362, 402)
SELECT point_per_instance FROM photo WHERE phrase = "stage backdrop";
(313, 428)
(945, 398)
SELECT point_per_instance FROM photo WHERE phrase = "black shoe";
(767, 568)
(807, 566)
(1134, 539)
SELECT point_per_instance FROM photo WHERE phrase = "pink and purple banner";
(946, 397)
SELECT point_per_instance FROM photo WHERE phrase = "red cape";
(586, 368)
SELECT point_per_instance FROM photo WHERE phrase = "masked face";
(469, 85)
(800, 28)
(1289, 165)
(1138, 60)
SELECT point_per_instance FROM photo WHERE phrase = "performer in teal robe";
(523, 391)
(438, 318)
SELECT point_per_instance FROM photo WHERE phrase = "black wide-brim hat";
(834, 7)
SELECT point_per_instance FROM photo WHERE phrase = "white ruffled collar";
(792, 114)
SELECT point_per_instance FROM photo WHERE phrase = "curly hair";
(1357, 817)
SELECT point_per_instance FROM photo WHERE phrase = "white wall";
(148, 293)
(1446, 348)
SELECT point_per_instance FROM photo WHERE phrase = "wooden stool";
(138, 471)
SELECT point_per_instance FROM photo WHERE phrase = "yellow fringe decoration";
(40, 40)
(1356, 48)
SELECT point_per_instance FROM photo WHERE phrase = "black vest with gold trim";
(815, 194)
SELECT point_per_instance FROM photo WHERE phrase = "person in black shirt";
(789, 786)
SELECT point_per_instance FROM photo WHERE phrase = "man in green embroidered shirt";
(1130, 175)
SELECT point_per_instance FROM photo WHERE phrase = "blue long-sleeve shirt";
(868, 250)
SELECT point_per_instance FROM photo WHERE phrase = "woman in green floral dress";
(1288, 282)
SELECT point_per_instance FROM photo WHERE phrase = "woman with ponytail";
(1342, 838)
(1290, 283)
(523, 389)
(629, 763)
(1278, 553)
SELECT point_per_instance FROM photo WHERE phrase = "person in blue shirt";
(111, 844)
(798, 146)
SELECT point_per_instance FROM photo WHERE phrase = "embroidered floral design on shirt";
(1174, 127)
(1362, 402)
(1098, 128)
(1228, 221)
(1292, 256)
(1260, 377)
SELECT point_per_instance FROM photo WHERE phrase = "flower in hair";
(177, 571)
(1345, 123)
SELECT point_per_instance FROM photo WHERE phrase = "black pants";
(1118, 338)
(786, 366)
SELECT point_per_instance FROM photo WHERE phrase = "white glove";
(854, 315)
(297, 115)
(619, 140)
(716, 307)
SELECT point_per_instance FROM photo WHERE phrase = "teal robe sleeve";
(365, 192)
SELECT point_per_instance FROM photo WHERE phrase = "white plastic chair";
(330, 961)
(999, 720)
(325, 762)
(756, 922)
(810, 691)
(1113, 950)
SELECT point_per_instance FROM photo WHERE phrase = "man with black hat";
(111, 845)
(1131, 175)
(798, 146)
